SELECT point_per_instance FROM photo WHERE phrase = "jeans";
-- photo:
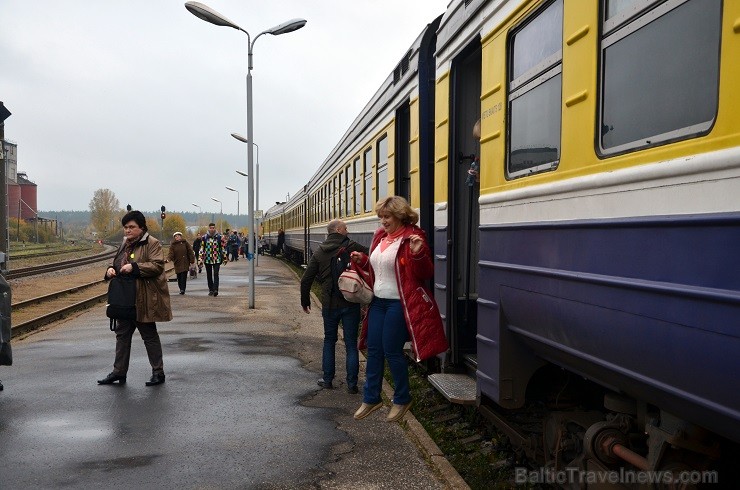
(386, 335)
(212, 275)
(350, 318)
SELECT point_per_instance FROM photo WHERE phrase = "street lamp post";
(237, 198)
(256, 183)
(209, 15)
(221, 214)
(197, 220)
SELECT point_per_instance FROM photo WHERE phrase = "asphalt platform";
(240, 407)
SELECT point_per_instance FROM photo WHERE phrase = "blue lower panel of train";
(649, 307)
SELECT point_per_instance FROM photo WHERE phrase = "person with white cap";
(182, 255)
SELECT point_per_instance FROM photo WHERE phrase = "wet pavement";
(239, 409)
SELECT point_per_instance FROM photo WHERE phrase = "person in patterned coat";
(212, 255)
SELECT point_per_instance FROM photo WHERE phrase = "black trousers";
(182, 280)
(212, 275)
(124, 333)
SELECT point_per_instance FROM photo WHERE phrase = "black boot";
(156, 379)
(112, 378)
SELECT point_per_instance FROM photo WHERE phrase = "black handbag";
(121, 299)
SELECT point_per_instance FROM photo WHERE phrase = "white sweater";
(384, 266)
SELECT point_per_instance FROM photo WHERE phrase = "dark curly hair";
(135, 216)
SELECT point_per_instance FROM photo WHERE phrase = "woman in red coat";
(403, 308)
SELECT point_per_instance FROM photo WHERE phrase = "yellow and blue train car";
(576, 165)
(599, 243)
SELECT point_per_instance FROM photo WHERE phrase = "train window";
(347, 190)
(382, 155)
(535, 93)
(367, 159)
(358, 186)
(341, 193)
(537, 44)
(335, 197)
(660, 73)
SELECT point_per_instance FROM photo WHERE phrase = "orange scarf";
(390, 238)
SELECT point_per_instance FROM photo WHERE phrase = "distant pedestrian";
(181, 254)
(281, 241)
(212, 254)
(196, 251)
(233, 244)
(334, 308)
(141, 256)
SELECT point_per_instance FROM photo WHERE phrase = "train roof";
(399, 77)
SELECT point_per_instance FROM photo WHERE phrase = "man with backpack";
(325, 266)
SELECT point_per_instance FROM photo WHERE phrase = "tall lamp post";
(256, 182)
(197, 220)
(209, 15)
(237, 198)
(221, 214)
(243, 174)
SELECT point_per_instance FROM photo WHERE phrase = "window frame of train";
(381, 154)
(358, 186)
(675, 96)
(367, 166)
(535, 92)
(347, 190)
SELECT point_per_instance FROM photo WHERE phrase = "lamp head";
(213, 198)
(231, 189)
(209, 15)
(286, 27)
(243, 174)
(240, 137)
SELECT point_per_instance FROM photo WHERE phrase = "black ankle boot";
(112, 378)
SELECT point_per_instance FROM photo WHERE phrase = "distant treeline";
(83, 217)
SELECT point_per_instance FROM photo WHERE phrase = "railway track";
(55, 266)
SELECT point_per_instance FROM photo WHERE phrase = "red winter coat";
(423, 319)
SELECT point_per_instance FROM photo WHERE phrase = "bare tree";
(104, 208)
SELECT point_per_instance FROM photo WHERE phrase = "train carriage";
(599, 242)
(584, 234)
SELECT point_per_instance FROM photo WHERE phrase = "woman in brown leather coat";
(141, 256)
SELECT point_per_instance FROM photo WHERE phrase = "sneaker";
(352, 390)
(210, 293)
(215, 293)
(366, 409)
(182, 291)
(325, 384)
(397, 412)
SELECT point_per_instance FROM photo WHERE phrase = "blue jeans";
(386, 335)
(350, 318)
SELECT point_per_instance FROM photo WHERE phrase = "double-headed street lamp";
(221, 215)
(256, 190)
(209, 15)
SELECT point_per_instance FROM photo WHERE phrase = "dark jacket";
(413, 272)
(181, 254)
(319, 268)
(152, 293)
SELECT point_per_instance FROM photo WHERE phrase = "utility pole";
(4, 114)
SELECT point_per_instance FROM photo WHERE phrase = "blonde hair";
(398, 207)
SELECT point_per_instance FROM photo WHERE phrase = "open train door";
(463, 210)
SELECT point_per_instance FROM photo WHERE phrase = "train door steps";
(457, 388)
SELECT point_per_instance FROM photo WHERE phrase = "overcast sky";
(140, 96)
